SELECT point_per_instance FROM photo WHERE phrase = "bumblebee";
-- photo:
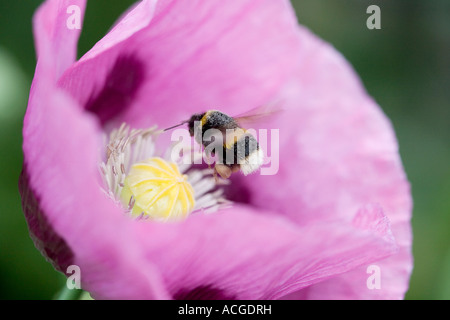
(238, 149)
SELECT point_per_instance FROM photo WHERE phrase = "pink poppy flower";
(338, 208)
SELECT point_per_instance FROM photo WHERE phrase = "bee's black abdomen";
(245, 146)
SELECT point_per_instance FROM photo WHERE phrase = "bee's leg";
(223, 170)
(216, 178)
(235, 168)
(208, 160)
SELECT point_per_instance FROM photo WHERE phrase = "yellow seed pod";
(157, 189)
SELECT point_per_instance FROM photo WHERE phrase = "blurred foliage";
(404, 66)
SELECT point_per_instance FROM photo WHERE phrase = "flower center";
(157, 189)
(146, 186)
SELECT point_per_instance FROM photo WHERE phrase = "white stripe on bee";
(253, 162)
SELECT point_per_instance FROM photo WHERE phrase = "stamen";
(131, 203)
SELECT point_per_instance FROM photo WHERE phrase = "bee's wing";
(259, 117)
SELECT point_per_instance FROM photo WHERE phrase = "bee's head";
(197, 117)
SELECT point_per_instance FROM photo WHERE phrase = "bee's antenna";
(176, 125)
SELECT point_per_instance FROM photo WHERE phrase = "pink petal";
(339, 154)
(52, 34)
(69, 212)
(393, 271)
(196, 55)
(241, 254)
(60, 183)
(134, 20)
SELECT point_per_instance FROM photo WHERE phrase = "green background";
(405, 66)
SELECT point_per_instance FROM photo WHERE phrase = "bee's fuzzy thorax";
(214, 119)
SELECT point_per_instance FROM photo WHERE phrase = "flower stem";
(68, 294)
